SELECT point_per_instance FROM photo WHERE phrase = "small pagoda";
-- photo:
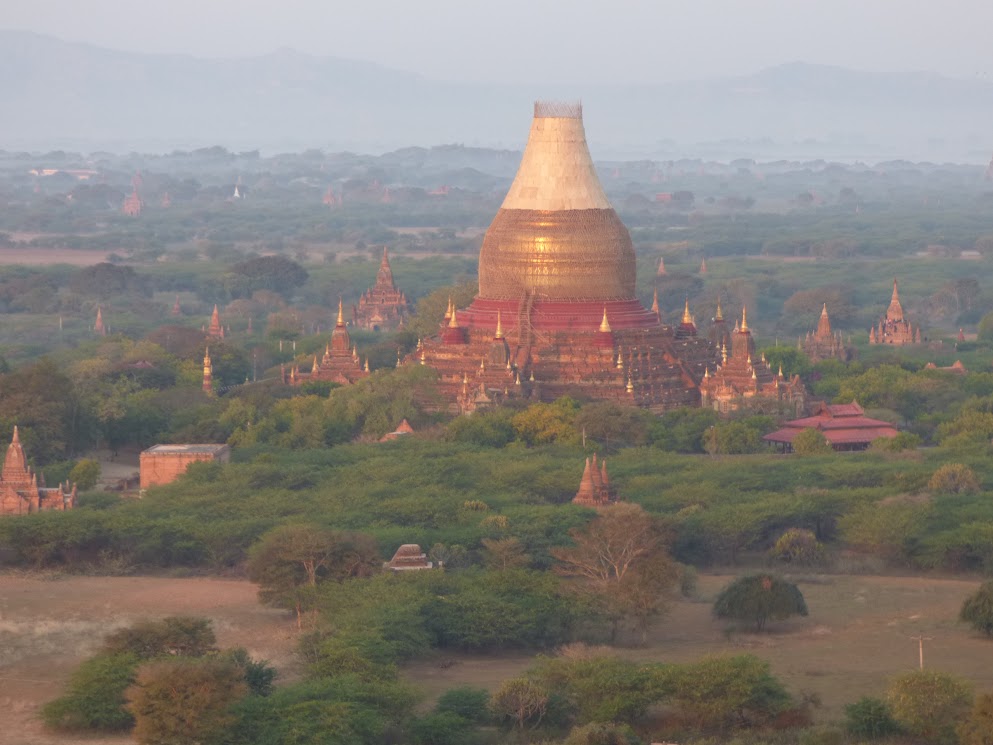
(382, 306)
(21, 490)
(894, 328)
(741, 376)
(215, 330)
(825, 344)
(339, 364)
(594, 488)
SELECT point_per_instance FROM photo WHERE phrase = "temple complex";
(382, 306)
(340, 363)
(594, 487)
(20, 490)
(740, 378)
(844, 426)
(556, 312)
(825, 344)
(893, 328)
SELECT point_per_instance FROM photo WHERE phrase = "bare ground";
(859, 634)
(48, 624)
(36, 256)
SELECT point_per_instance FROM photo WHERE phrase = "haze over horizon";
(827, 80)
(520, 41)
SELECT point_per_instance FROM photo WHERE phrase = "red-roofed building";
(845, 426)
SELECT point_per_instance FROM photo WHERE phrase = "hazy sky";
(575, 41)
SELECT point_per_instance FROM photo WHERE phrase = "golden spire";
(780, 370)
(453, 321)
(423, 357)
(499, 328)
(366, 368)
(724, 352)
(620, 361)
(655, 301)
(604, 324)
(706, 372)
(744, 319)
(630, 386)
(720, 313)
(341, 315)
(316, 368)
(687, 318)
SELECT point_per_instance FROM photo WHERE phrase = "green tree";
(94, 699)
(599, 733)
(929, 704)
(978, 728)
(977, 610)
(541, 424)
(759, 598)
(85, 474)
(472, 704)
(504, 553)
(870, 718)
(183, 701)
(798, 546)
(724, 693)
(521, 701)
(811, 442)
(954, 478)
(185, 636)
(274, 273)
(288, 561)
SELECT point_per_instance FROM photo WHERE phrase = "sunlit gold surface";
(557, 255)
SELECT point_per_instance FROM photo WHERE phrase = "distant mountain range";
(62, 95)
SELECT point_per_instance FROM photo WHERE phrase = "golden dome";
(556, 235)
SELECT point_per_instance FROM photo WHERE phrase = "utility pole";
(920, 638)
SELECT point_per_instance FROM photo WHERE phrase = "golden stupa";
(557, 312)
(556, 235)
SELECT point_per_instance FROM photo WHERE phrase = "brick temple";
(742, 377)
(339, 364)
(556, 312)
(382, 306)
(894, 328)
(825, 344)
(21, 490)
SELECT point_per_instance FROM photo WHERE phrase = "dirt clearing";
(49, 624)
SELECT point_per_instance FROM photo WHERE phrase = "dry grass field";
(858, 634)
(36, 256)
(49, 624)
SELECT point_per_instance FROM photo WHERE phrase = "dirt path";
(49, 624)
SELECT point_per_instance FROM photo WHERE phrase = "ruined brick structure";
(20, 490)
(594, 488)
(163, 464)
(556, 312)
(382, 306)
